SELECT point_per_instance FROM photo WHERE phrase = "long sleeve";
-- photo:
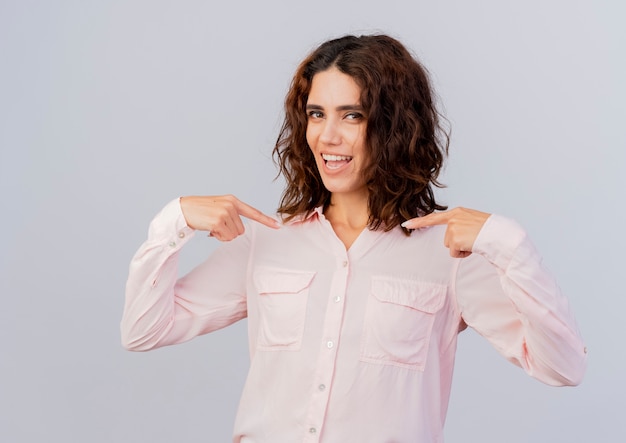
(161, 309)
(506, 294)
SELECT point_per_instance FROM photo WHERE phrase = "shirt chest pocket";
(399, 320)
(282, 302)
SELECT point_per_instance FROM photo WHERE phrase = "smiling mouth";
(336, 161)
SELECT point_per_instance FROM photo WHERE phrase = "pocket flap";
(281, 281)
(421, 295)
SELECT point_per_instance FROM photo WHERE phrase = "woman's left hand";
(463, 226)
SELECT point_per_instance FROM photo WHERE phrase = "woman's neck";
(348, 214)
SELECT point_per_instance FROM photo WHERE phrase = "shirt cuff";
(169, 227)
(498, 240)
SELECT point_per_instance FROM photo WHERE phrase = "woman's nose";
(330, 133)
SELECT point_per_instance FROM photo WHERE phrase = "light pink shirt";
(357, 345)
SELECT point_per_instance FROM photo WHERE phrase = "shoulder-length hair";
(404, 137)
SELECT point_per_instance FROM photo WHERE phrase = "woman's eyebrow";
(338, 108)
(354, 107)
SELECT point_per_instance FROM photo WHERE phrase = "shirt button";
(329, 344)
(344, 263)
(312, 430)
(172, 244)
(181, 234)
(322, 387)
(337, 299)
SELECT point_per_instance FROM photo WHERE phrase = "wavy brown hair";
(404, 136)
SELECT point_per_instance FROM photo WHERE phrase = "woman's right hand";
(221, 215)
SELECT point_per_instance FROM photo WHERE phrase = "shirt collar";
(301, 218)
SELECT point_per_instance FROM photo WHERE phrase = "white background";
(109, 109)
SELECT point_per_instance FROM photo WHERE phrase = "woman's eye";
(354, 116)
(316, 114)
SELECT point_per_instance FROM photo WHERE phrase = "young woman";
(354, 302)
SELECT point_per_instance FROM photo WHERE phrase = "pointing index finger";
(432, 219)
(256, 215)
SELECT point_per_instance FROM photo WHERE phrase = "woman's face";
(336, 131)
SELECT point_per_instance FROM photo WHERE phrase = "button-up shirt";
(352, 345)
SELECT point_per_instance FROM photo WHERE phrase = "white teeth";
(335, 158)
